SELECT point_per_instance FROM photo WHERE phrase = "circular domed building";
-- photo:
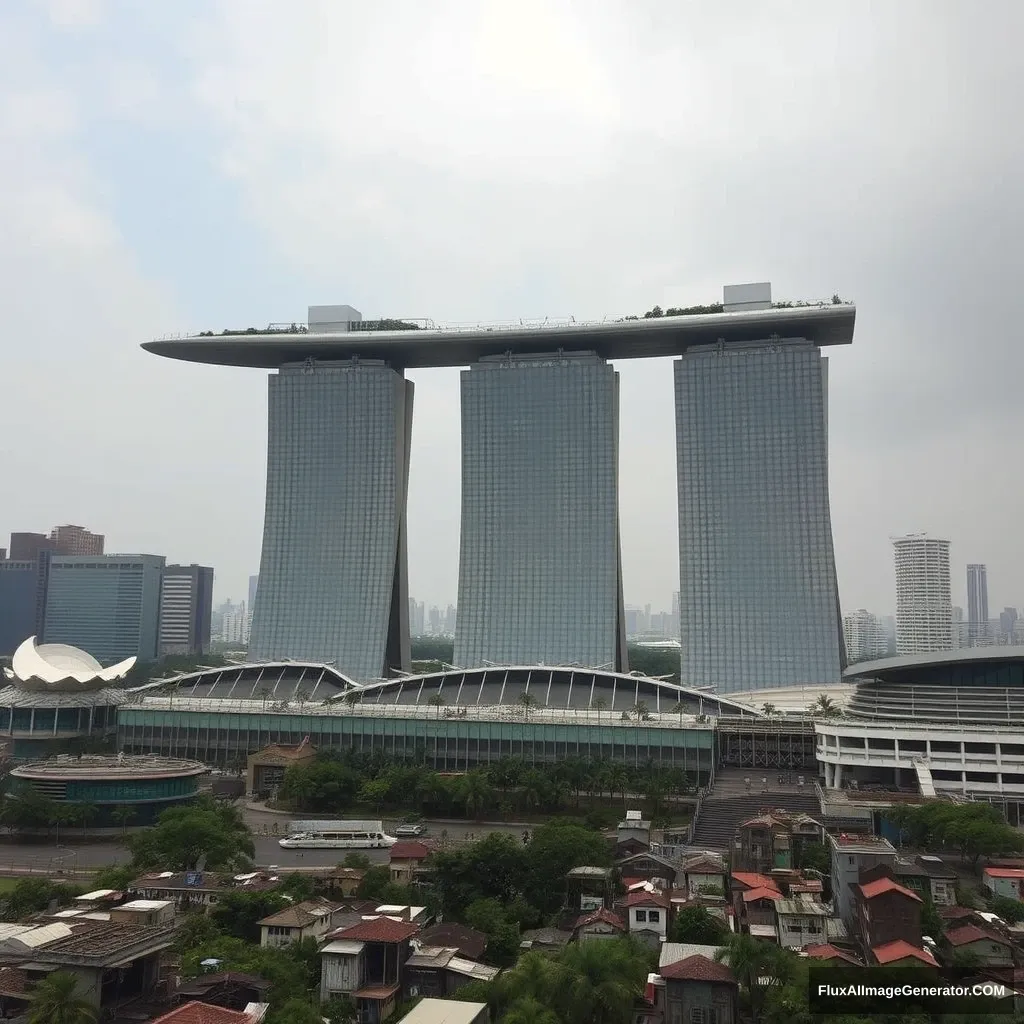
(58, 698)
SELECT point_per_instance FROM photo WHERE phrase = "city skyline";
(638, 201)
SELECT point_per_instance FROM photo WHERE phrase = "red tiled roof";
(601, 914)
(469, 942)
(379, 929)
(1004, 872)
(752, 880)
(698, 968)
(972, 933)
(627, 882)
(883, 885)
(826, 951)
(954, 912)
(761, 893)
(645, 899)
(203, 1013)
(409, 849)
(900, 950)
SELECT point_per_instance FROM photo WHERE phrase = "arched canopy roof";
(549, 686)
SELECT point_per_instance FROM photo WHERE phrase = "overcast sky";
(176, 167)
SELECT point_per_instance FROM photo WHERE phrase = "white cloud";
(75, 14)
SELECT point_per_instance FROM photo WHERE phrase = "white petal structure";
(60, 667)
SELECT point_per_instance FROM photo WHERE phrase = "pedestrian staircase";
(729, 804)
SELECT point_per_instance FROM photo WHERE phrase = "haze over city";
(487, 162)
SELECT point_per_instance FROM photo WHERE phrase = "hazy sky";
(175, 167)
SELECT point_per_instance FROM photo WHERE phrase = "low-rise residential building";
(110, 961)
(754, 896)
(447, 1011)
(773, 840)
(599, 924)
(366, 962)
(437, 972)
(699, 990)
(195, 1012)
(1008, 882)
(634, 827)
(450, 934)
(887, 912)
(800, 921)
(989, 947)
(902, 951)
(406, 859)
(827, 951)
(311, 919)
(703, 872)
(647, 915)
(930, 877)
(198, 888)
(852, 854)
(651, 868)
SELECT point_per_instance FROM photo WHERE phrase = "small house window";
(641, 915)
(654, 916)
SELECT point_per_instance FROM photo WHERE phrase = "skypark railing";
(442, 713)
(473, 327)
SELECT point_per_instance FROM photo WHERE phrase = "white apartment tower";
(924, 608)
(865, 635)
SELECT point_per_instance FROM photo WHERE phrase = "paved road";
(51, 859)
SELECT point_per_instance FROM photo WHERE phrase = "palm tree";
(641, 712)
(122, 815)
(85, 814)
(618, 780)
(528, 703)
(301, 696)
(603, 980)
(679, 708)
(476, 793)
(264, 694)
(55, 1000)
(62, 814)
(770, 711)
(437, 701)
(825, 707)
(752, 962)
(352, 698)
(599, 704)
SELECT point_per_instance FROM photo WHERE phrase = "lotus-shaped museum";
(61, 667)
(57, 694)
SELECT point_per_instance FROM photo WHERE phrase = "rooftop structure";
(446, 1011)
(460, 345)
(147, 783)
(61, 668)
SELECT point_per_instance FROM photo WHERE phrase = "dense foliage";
(333, 783)
(57, 1000)
(973, 829)
(202, 834)
(33, 895)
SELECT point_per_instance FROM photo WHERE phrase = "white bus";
(337, 835)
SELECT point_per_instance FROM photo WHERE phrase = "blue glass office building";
(108, 605)
(333, 585)
(539, 567)
(758, 597)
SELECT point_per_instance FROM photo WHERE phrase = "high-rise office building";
(233, 624)
(26, 547)
(1007, 624)
(924, 609)
(21, 585)
(76, 540)
(977, 605)
(758, 596)
(417, 617)
(107, 605)
(540, 577)
(865, 636)
(333, 581)
(186, 606)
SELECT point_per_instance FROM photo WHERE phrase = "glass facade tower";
(540, 577)
(333, 583)
(758, 597)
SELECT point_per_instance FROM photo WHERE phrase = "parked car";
(408, 831)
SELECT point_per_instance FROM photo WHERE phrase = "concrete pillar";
(896, 776)
(838, 776)
(963, 782)
(829, 775)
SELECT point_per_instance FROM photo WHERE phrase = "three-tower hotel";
(540, 573)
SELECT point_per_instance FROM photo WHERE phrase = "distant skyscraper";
(417, 617)
(333, 582)
(254, 582)
(977, 604)
(865, 636)
(924, 609)
(234, 624)
(960, 637)
(450, 620)
(539, 569)
(20, 584)
(758, 596)
(76, 540)
(675, 614)
(1007, 624)
(25, 547)
(107, 605)
(186, 605)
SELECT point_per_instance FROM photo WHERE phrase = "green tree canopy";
(203, 833)
(57, 1000)
(697, 925)
(237, 914)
